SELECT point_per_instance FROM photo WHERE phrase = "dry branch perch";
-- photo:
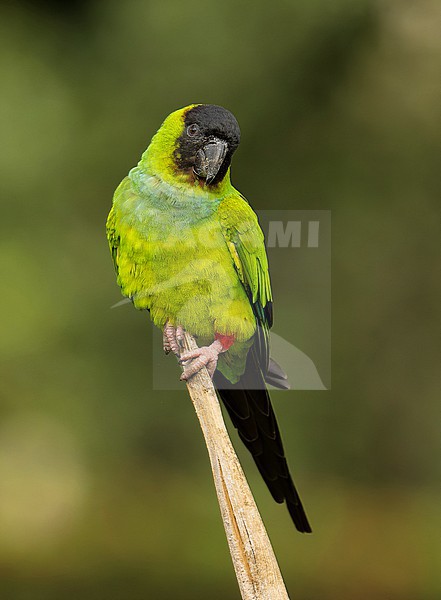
(256, 567)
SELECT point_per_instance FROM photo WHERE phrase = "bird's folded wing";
(246, 244)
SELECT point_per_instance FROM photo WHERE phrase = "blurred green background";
(105, 486)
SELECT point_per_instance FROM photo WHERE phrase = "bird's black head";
(210, 137)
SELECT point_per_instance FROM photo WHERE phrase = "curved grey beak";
(209, 159)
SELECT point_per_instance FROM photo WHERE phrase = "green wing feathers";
(247, 247)
(113, 237)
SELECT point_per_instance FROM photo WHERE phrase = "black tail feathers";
(249, 406)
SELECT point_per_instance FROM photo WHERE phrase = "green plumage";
(190, 254)
(188, 248)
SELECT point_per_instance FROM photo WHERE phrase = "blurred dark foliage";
(74, 9)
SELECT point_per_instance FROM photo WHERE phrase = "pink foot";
(172, 339)
(201, 357)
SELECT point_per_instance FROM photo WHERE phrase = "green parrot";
(188, 248)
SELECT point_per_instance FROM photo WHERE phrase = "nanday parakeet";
(188, 248)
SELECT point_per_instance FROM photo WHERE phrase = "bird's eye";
(193, 130)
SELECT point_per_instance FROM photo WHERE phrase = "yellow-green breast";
(174, 261)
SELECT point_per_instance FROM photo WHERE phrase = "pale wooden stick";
(256, 567)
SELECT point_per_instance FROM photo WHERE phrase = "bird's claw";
(206, 356)
(172, 339)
